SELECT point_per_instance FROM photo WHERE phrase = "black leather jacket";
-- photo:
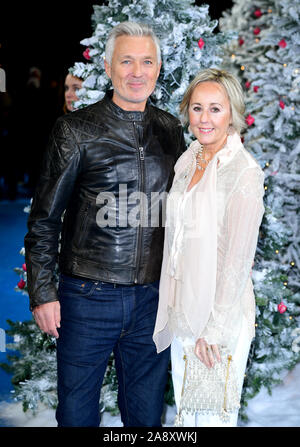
(94, 155)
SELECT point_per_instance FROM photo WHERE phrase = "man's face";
(133, 71)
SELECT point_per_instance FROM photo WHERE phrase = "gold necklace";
(201, 159)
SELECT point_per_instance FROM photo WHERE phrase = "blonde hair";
(232, 88)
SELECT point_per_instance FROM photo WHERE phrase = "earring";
(230, 130)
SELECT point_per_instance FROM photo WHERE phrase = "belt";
(110, 285)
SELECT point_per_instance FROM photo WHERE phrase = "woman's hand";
(208, 354)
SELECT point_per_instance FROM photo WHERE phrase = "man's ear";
(107, 68)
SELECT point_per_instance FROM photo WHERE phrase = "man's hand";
(207, 353)
(47, 317)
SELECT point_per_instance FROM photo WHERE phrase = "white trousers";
(240, 357)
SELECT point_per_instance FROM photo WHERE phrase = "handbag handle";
(229, 358)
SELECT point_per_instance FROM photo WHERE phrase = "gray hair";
(232, 88)
(130, 29)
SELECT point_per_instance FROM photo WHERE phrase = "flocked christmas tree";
(266, 58)
(189, 43)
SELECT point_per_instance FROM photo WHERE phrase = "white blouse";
(210, 242)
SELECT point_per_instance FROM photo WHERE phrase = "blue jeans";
(97, 319)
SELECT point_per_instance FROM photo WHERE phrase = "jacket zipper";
(141, 149)
(140, 228)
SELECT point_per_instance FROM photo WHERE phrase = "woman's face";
(72, 84)
(210, 115)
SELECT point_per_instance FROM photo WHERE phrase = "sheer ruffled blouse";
(210, 242)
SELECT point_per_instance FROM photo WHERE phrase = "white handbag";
(208, 390)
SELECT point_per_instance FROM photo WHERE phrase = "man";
(99, 158)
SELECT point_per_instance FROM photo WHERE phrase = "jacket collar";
(232, 146)
(227, 153)
(125, 115)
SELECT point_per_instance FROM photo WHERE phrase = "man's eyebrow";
(128, 56)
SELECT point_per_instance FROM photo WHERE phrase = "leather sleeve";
(60, 169)
(181, 143)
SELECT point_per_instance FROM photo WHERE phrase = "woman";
(214, 211)
(72, 85)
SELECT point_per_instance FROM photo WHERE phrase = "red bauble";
(256, 31)
(24, 267)
(250, 120)
(21, 284)
(281, 104)
(241, 41)
(86, 54)
(201, 43)
(258, 13)
(255, 88)
(281, 307)
(282, 43)
(247, 84)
